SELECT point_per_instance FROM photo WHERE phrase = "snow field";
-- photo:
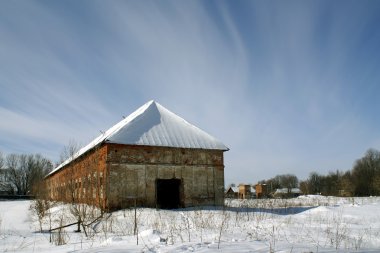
(304, 224)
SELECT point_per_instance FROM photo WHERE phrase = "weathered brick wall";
(115, 175)
(133, 171)
(81, 181)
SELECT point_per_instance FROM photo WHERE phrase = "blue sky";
(289, 86)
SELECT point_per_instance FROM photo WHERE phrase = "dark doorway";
(168, 193)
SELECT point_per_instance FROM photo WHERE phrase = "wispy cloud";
(289, 87)
(174, 53)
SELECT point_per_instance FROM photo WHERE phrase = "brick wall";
(114, 176)
(81, 181)
(134, 170)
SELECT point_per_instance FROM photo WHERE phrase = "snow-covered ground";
(304, 224)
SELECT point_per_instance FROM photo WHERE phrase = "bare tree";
(82, 187)
(366, 174)
(288, 181)
(40, 207)
(71, 188)
(1, 160)
(41, 167)
(26, 171)
(314, 183)
(69, 150)
(12, 164)
(5, 186)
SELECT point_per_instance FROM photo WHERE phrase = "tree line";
(21, 174)
(287, 181)
(362, 180)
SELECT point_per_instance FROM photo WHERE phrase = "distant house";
(287, 193)
(261, 191)
(232, 192)
(243, 191)
(152, 158)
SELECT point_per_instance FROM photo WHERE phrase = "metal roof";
(153, 125)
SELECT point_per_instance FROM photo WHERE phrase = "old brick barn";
(153, 158)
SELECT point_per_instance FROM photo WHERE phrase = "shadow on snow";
(277, 210)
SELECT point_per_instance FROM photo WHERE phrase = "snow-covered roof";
(296, 190)
(285, 190)
(153, 125)
(234, 188)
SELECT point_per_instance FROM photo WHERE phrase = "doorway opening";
(168, 193)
